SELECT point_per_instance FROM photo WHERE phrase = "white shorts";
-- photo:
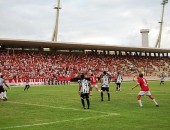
(142, 93)
(94, 85)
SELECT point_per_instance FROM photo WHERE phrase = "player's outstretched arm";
(79, 89)
(6, 85)
(135, 86)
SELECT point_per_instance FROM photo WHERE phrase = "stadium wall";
(18, 82)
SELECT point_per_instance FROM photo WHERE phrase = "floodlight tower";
(55, 33)
(158, 43)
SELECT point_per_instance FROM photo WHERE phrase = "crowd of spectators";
(65, 66)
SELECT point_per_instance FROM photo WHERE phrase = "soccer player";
(118, 81)
(105, 80)
(3, 92)
(162, 79)
(144, 90)
(27, 85)
(84, 86)
(93, 83)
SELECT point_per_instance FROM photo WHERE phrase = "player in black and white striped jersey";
(27, 85)
(119, 79)
(3, 92)
(84, 87)
(105, 80)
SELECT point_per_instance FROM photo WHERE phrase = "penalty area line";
(64, 108)
(55, 122)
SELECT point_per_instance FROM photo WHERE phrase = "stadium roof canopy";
(14, 43)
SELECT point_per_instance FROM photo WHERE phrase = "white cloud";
(90, 21)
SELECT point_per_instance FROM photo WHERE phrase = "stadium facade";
(15, 44)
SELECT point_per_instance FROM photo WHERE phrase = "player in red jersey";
(93, 83)
(144, 90)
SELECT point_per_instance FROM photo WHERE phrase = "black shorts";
(2, 89)
(84, 95)
(105, 89)
(27, 85)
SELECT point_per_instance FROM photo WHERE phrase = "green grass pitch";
(59, 108)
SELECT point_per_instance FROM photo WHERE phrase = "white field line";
(55, 122)
(64, 108)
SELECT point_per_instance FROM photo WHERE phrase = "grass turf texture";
(59, 108)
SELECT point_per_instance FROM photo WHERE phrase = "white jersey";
(105, 81)
(119, 79)
(27, 82)
(162, 78)
(84, 86)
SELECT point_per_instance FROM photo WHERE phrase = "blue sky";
(109, 22)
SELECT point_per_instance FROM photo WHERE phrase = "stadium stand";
(45, 62)
(59, 68)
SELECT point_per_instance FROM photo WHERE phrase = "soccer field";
(59, 108)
